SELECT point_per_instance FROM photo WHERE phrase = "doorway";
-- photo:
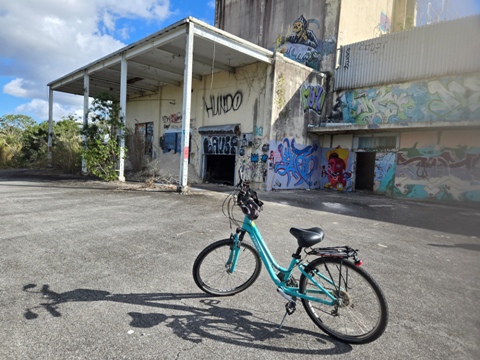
(365, 171)
(220, 169)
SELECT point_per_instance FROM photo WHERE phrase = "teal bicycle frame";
(273, 268)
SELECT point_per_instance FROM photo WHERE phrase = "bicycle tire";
(210, 269)
(362, 314)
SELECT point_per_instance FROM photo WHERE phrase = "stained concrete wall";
(220, 99)
(303, 30)
(361, 20)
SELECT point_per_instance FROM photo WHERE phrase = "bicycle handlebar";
(247, 198)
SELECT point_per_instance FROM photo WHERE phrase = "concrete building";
(304, 95)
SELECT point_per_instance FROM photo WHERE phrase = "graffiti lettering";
(172, 121)
(297, 163)
(446, 99)
(372, 48)
(313, 98)
(220, 145)
(444, 174)
(222, 104)
(347, 58)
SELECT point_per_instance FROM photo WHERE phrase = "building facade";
(309, 97)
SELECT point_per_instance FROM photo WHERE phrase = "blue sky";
(44, 40)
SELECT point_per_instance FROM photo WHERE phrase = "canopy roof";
(159, 60)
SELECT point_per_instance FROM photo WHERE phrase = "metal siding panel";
(437, 50)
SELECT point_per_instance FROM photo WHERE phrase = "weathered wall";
(219, 99)
(376, 20)
(298, 101)
(451, 99)
(441, 165)
(303, 30)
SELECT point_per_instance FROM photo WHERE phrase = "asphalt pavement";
(90, 270)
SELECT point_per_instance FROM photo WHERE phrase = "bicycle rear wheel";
(211, 270)
(360, 315)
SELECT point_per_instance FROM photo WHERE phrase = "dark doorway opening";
(220, 169)
(365, 171)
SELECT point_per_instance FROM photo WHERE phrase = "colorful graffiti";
(440, 173)
(336, 169)
(385, 23)
(303, 46)
(222, 104)
(292, 166)
(312, 98)
(445, 99)
(384, 173)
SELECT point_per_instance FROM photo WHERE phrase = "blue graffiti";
(301, 164)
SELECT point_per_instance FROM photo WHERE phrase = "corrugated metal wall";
(441, 49)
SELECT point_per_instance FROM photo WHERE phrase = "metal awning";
(159, 60)
(176, 55)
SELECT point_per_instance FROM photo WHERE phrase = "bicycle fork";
(235, 253)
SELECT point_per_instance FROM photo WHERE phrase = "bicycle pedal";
(290, 307)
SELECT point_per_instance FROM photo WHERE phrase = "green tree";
(67, 145)
(102, 141)
(34, 146)
(12, 127)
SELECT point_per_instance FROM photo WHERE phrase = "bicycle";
(342, 299)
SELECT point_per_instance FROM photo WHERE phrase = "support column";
(50, 127)
(86, 95)
(187, 101)
(123, 112)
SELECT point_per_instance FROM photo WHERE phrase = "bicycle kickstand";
(290, 308)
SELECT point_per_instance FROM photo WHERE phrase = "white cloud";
(38, 109)
(16, 88)
(43, 40)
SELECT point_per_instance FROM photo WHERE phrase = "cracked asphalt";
(90, 270)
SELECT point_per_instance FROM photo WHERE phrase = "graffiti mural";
(172, 121)
(220, 145)
(312, 98)
(384, 177)
(222, 104)
(303, 46)
(385, 23)
(336, 169)
(292, 166)
(445, 99)
(440, 173)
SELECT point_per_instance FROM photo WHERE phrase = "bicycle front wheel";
(212, 270)
(360, 314)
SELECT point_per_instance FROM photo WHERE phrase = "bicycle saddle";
(307, 237)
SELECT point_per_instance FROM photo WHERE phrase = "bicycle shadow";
(209, 320)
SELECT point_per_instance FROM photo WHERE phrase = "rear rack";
(338, 252)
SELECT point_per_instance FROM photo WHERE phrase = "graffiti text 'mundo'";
(222, 104)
